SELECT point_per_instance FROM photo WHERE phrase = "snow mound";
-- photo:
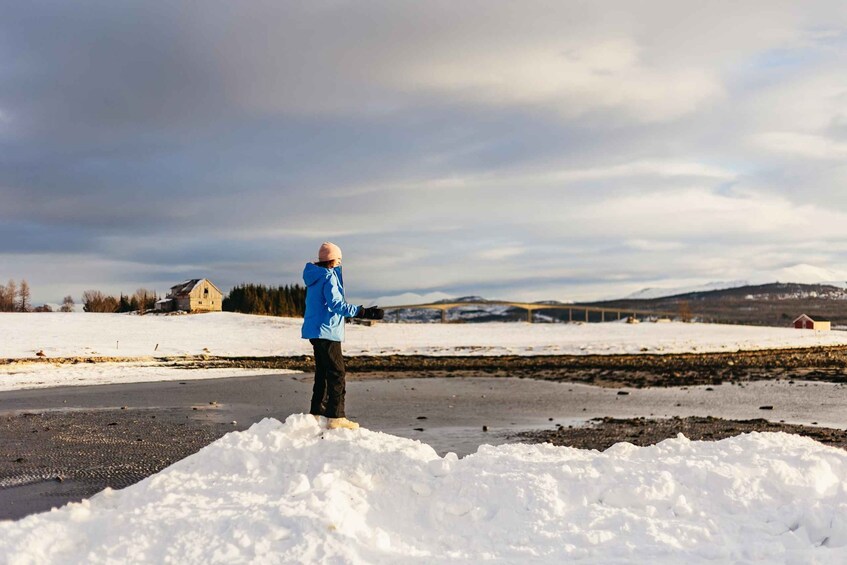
(293, 492)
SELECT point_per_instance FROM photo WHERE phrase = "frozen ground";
(228, 334)
(281, 493)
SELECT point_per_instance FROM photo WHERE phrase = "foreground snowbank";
(281, 493)
(228, 334)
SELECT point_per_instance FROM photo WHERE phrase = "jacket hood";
(313, 273)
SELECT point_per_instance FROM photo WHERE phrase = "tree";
(124, 304)
(10, 296)
(68, 304)
(263, 300)
(684, 311)
(25, 297)
(145, 300)
(96, 301)
(43, 308)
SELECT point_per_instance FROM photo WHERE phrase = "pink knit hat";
(328, 252)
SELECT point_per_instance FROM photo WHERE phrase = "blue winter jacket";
(325, 305)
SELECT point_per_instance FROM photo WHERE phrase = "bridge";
(583, 312)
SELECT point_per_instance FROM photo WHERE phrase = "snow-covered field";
(228, 334)
(293, 493)
(45, 375)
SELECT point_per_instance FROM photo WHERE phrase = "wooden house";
(195, 295)
(806, 322)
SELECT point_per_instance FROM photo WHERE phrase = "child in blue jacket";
(323, 326)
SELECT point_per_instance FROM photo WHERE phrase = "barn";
(195, 295)
(806, 322)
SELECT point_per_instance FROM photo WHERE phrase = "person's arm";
(335, 300)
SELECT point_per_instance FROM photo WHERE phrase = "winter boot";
(335, 423)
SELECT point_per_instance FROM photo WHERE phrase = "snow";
(45, 375)
(661, 292)
(144, 339)
(296, 493)
(228, 334)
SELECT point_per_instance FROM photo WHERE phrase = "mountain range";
(772, 304)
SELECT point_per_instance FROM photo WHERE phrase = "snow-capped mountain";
(660, 292)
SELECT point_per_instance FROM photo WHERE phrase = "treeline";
(141, 301)
(288, 300)
(15, 297)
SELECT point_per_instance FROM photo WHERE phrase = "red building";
(805, 322)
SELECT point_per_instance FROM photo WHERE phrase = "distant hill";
(773, 304)
(659, 292)
(471, 312)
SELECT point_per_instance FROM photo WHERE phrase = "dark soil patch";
(82, 452)
(605, 432)
(828, 364)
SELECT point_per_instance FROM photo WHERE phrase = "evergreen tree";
(260, 299)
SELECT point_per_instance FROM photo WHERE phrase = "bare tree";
(25, 297)
(685, 311)
(68, 304)
(10, 296)
(96, 301)
(145, 299)
(3, 299)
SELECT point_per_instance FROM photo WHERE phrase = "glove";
(372, 313)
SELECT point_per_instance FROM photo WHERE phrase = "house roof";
(189, 285)
(185, 287)
(806, 317)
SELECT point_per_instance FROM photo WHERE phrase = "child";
(323, 326)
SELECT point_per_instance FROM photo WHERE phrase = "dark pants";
(328, 391)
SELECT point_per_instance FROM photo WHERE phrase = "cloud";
(550, 176)
(500, 253)
(805, 273)
(699, 213)
(802, 145)
(571, 77)
(533, 149)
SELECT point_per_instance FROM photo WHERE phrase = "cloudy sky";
(524, 149)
